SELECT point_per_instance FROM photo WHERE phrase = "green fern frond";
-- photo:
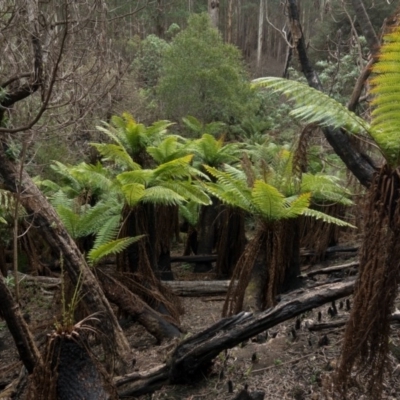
(190, 212)
(142, 176)
(229, 189)
(189, 191)
(133, 192)
(326, 188)
(213, 152)
(175, 169)
(70, 220)
(169, 149)
(309, 212)
(311, 105)
(108, 231)
(161, 195)
(117, 154)
(93, 218)
(295, 205)
(386, 90)
(268, 200)
(113, 247)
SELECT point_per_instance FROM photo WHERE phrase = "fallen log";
(330, 270)
(181, 288)
(192, 357)
(198, 288)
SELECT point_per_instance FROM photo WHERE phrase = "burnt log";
(195, 355)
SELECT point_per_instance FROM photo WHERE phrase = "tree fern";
(117, 154)
(113, 247)
(309, 212)
(386, 90)
(161, 195)
(169, 149)
(311, 105)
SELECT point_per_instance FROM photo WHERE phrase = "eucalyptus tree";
(366, 342)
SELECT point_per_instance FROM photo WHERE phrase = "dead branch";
(330, 270)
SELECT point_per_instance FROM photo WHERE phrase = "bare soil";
(286, 363)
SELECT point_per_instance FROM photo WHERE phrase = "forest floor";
(282, 364)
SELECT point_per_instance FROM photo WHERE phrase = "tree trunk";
(366, 26)
(154, 322)
(19, 329)
(43, 215)
(213, 12)
(260, 36)
(231, 241)
(358, 163)
(229, 24)
(206, 233)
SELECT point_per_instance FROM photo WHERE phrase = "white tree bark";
(213, 12)
(260, 37)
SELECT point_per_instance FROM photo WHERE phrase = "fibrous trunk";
(366, 342)
(269, 265)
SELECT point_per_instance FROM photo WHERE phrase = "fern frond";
(161, 195)
(268, 200)
(69, 219)
(113, 247)
(188, 190)
(175, 169)
(232, 190)
(108, 231)
(169, 149)
(325, 188)
(117, 154)
(142, 176)
(309, 212)
(386, 90)
(133, 192)
(312, 105)
(295, 206)
(190, 212)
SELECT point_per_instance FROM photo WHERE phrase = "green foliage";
(203, 77)
(148, 62)
(311, 105)
(169, 149)
(214, 152)
(195, 126)
(130, 139)
(112, 247)
(386, 90)
(169, 183)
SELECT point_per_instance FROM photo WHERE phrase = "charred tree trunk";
(231, 241)
(358, 163)
(19, 329)
(269, 266)
(70, 372)
(43, 216)
(206, 233)
(155, 323)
